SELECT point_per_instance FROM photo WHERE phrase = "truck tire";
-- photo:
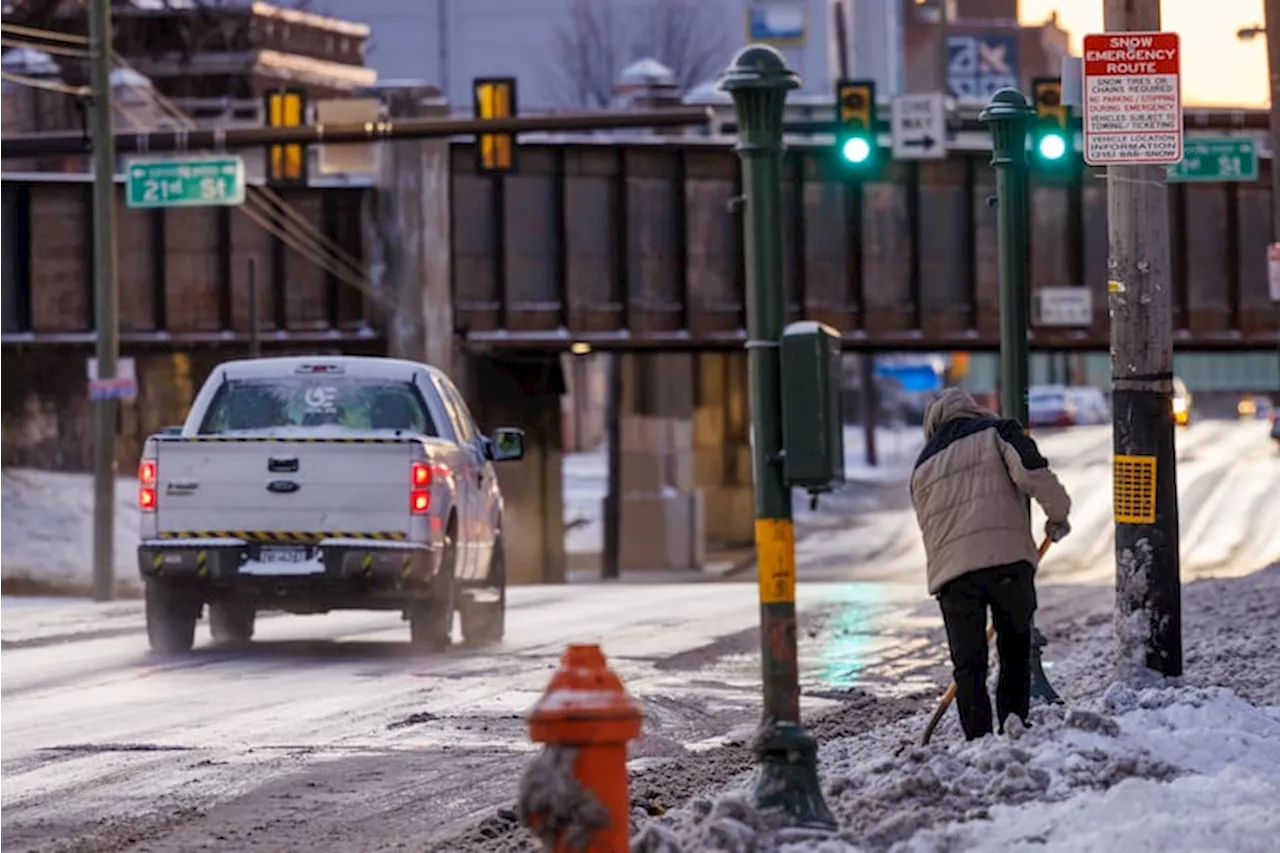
(172, 613)
(431, 621)
(485, 622)
(231, 622)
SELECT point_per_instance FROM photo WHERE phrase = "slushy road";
(328, 734)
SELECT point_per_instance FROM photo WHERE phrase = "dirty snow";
(1192, 763)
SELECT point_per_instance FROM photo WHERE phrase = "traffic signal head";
(856, 123)
(286, 164)
(1051, 133)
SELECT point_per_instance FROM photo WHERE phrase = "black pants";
(1010, 592)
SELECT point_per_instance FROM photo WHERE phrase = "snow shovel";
(951, 691)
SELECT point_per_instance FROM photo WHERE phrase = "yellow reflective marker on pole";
(1134, 489)
(776, 559)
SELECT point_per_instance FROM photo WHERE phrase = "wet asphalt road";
(327, 733)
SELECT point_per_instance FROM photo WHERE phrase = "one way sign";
(919, 126)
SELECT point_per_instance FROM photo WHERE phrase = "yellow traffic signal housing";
(1047, 94)
(286, 164)
(856, 105)
(856, 149)
(494, 98)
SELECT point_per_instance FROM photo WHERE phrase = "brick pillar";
(662, 517)
(722, 448)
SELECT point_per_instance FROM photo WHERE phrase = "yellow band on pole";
(776, 560)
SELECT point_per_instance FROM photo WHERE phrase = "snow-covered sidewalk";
(46, 537)
(1191, 765)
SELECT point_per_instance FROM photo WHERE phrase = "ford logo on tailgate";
(282, 487)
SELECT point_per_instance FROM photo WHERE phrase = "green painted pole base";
(1041, 689)
(788, 781)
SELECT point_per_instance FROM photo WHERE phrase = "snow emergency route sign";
(1132, 98)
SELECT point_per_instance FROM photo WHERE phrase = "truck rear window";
(317, 402)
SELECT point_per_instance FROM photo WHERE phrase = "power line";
(48, 35)
(271, 208)
(79, 53)
(47, 85)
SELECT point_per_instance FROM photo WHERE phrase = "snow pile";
(1201, 763)
(46, 532)
(554, 804)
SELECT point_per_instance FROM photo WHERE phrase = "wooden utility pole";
(1148, 589)
(106, 302)
(1272, 24)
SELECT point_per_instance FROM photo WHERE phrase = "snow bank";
(1191, 764)
(1201, 764)
(46, 531)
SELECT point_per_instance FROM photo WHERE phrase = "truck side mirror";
(506, 444)
(171, 430)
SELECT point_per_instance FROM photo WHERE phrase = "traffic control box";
(812, 420)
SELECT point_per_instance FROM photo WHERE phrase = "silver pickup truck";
(324, 483)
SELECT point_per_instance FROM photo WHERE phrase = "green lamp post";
(758, 81)
(1009, 117)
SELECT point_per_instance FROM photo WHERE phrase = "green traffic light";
(1052, 146)
(856, 149)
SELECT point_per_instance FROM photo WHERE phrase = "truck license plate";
(276, 554)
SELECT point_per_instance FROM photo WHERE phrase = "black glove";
(1056, 530)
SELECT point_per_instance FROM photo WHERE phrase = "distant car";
(1059, 405)
(1052, 405)
(1091, 405)
(1181, 403)
(1254, 408)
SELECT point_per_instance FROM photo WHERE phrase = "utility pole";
(255, 345)
(106, 299)
(758, 80)
(1272, 24)
(1271, 21)
(1148, 588)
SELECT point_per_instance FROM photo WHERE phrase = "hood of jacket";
(950, 404)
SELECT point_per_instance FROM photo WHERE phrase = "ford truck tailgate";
(227, 486)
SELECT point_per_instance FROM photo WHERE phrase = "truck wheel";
(172, 613)
(485, 622)
(231, 622)
(431, 622)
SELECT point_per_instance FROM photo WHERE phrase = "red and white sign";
(1273, 270)
(1132, 98)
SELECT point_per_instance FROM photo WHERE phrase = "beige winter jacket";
(969, 489)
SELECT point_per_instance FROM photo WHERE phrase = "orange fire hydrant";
(574, 795)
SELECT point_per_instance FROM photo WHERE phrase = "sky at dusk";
(1217, 69)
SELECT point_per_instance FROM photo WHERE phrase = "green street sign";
(1225, 159)
(190, 182)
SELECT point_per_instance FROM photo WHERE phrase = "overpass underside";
(640, 247)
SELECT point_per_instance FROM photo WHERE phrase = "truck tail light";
(147, 485)
(420, 488)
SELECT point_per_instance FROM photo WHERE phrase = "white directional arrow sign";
(919, 125)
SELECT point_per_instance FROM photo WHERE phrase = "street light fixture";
(1250, 33)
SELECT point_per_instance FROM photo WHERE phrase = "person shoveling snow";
(969, 490)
